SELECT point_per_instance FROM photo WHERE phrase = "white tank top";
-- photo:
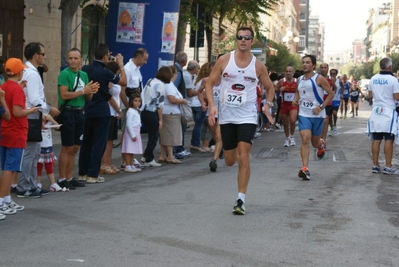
(238, 93)
(307, 100)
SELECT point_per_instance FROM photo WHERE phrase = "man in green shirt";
(74, 89)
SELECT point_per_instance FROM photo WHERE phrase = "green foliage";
(284, 58)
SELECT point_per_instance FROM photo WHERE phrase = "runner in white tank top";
(309, 97)
(238, 93)
(238, 73)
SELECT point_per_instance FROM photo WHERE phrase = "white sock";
(39, 185)
(7, 199)
(1, 201)
(14, 185)
(241, 196)
(69, 179)
(61, 179)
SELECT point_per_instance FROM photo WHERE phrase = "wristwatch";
(321, 106)
(270, 103)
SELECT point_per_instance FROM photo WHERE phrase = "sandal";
(93, 180)
(161, 160)
(113, 167)
(107, 170)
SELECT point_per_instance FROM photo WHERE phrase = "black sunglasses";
(246, 37)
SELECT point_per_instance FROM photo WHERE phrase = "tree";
(278, 63)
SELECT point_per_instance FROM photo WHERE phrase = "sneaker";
(13, 190)
(82, 178)
(239, 208)
(287, 142)
(357, 114)
(375, 169)
(55, 188)
(152, 164)
(138, 165)
(131, 169)
(330, 133)
(42, 191)
(186, 153)
(4, 209)
(14, 206)
(277, 126)
(28, 194)
(221, 155)
(2, 216)
(335, 130)
(179, 155)
(213, 165)
(391, 170)
(257, 135)
(94, 180)
(123, 165)
(66, 184)
(321, 151)
(292, 141)
(304, 174)
(76, 183)
(142, 159)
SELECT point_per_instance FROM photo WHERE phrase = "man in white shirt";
(382, 124)
(134, 83)
(34, 91)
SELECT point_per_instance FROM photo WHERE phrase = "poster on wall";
(166, 63)
(1, 45)
(169, 32)
(130, 23)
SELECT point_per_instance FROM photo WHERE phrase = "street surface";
(180, 215)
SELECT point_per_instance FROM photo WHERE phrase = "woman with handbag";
(171, 132)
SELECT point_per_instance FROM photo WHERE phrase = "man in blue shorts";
(345, 95)
(336, 101)
(309, 97)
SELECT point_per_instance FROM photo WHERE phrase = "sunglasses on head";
(246, 37)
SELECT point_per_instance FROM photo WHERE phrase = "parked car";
(364, 85)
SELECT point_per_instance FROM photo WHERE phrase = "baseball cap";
(14, 66)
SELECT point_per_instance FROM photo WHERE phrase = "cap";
(14, 66)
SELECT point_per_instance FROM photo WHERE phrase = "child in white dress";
(131, 143)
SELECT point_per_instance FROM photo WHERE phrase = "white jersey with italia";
(237, 98)
(307, 99)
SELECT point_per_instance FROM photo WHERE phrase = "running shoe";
(213, 165)
(287, 142)
(4, 209)
(375, 169)
(335, 130)
(331, 133)
(304, 174)
(357, 114)
(239, 208)
(391, 170)
(321, 150)
(292, 141)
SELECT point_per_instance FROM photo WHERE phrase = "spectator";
(34, 91)
(14, 131)
(74, 89)
(132, 139)
(181, 61)
(97, 114)
(151, 116)
(114, 107)
(171, 132)
(47, 157)
(195, 104)
(134, 83)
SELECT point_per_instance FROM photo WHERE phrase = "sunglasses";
(246, 37)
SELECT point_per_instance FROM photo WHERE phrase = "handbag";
(35, 129)
(186, 113)
(58, 118)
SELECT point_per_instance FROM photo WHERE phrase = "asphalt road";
(180, 215)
